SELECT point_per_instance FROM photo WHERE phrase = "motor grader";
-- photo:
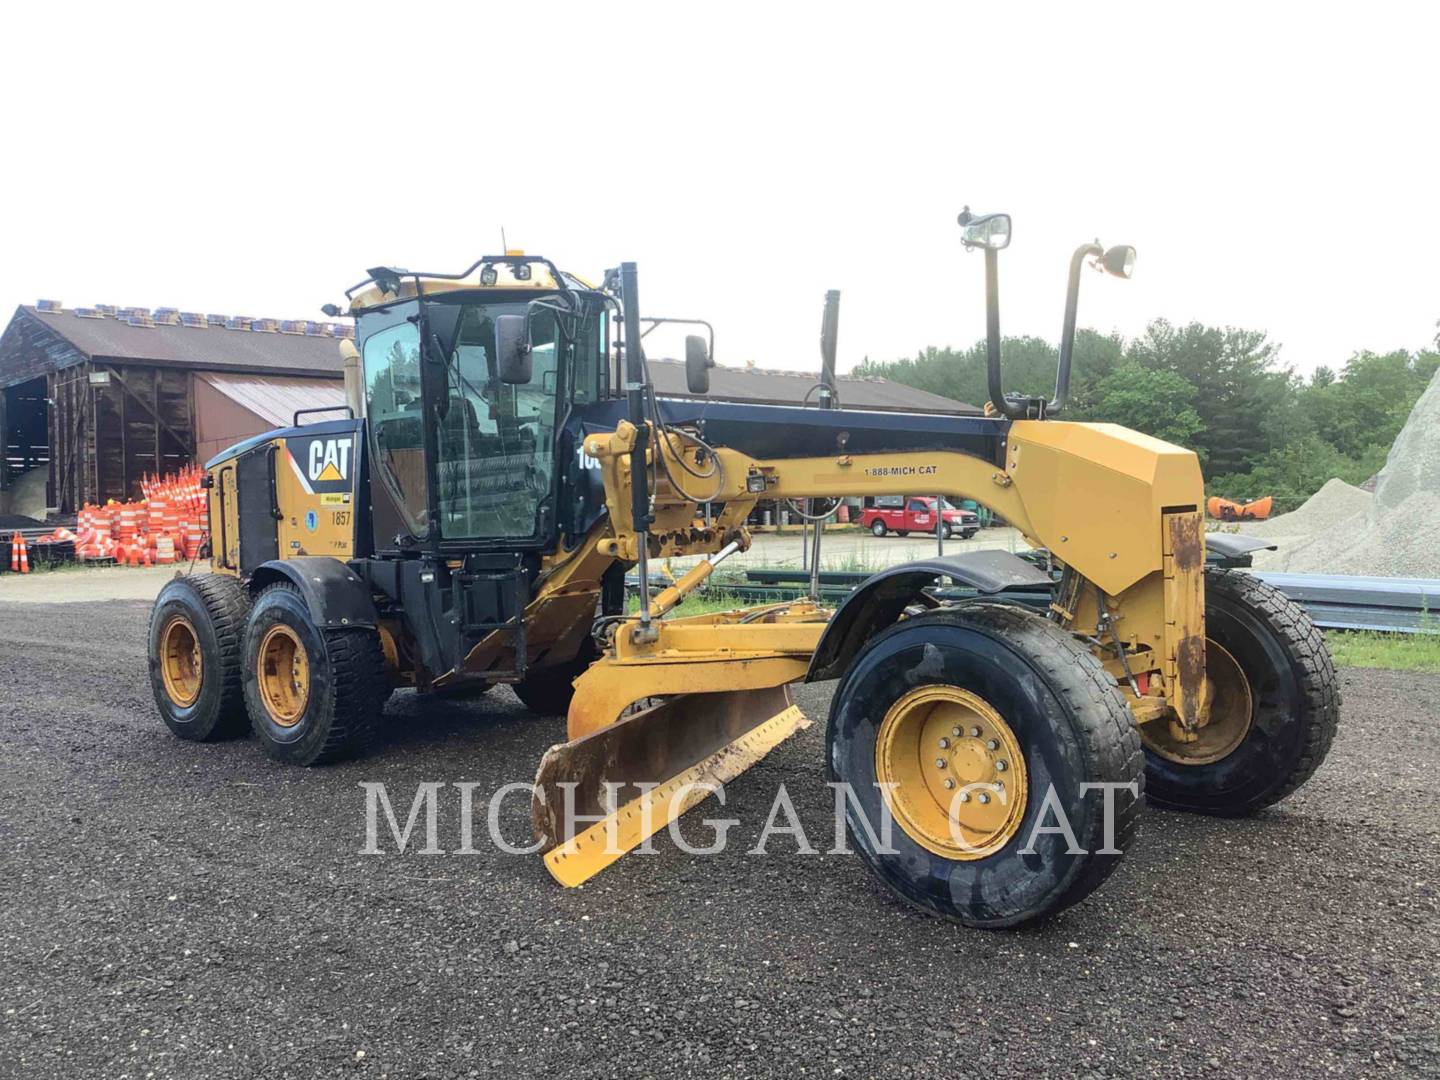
(508, 460)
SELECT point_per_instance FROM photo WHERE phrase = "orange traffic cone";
(15, 553)
(24, 554)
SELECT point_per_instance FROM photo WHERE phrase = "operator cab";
(464, 453)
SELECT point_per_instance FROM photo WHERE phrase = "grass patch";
(1396, 652)
(703, 603)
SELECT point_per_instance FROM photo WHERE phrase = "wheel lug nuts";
(984, 797)
(939, 763)
(1001, 765)
(949, 783)
(944, 744)
(992, 745)
(975, 732)
(964, 796)
(956, 732)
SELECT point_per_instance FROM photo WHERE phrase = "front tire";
(1275, 730)
(1032, 693)
(196, 664)
(314, 694)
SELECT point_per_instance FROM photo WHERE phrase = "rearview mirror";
(512, 349)
(697, 364)
(990, 232)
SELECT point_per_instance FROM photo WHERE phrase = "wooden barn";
(99, 397)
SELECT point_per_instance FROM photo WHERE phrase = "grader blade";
(641, 773)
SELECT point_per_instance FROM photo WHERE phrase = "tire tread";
(1102, 722)
(1311, 663)
(360, 688)
(227, 605)
(1102, 719)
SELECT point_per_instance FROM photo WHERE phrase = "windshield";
(496, 458)
(495, 469)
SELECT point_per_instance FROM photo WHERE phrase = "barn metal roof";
(766, 387)
(142, 338)
(277, 398)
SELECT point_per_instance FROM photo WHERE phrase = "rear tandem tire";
(1294, 697)
(1044, 695)
(314, 694)
(204, 613)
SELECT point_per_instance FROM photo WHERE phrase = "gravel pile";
(1393, 533)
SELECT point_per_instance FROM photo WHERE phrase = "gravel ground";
(182, 910)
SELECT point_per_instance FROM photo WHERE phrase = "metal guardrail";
(1334, 601)
(1350, 602)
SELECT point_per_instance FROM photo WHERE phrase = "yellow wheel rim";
(1231, 704)
(181, 665)
(955, 775)
(282, 672)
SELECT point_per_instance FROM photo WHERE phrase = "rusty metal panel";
(1183, 544)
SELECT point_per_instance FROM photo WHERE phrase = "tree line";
(1257, 426)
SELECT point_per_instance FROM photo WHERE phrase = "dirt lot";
(182, 910)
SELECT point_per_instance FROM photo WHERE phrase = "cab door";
(920, 514)
(496, 449)
(395, 427)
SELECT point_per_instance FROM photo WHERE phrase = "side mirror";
(990, 232)
(697, 364)
(512, 349)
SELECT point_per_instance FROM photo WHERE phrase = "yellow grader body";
(473, 528)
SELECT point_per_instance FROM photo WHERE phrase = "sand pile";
(1395, 532)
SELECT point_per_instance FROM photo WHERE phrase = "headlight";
(1119, 260)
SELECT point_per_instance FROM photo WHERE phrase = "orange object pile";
(170, 523)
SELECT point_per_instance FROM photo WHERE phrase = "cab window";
(395, 416)
(496, 463)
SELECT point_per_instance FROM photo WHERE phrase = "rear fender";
(335, 594)
(1233, 549)
(880, 601)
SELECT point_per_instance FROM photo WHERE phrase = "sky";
(1273, 164)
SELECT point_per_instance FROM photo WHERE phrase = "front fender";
(335, 594)
(880, 601)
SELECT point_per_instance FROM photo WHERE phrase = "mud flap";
(664, 759)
